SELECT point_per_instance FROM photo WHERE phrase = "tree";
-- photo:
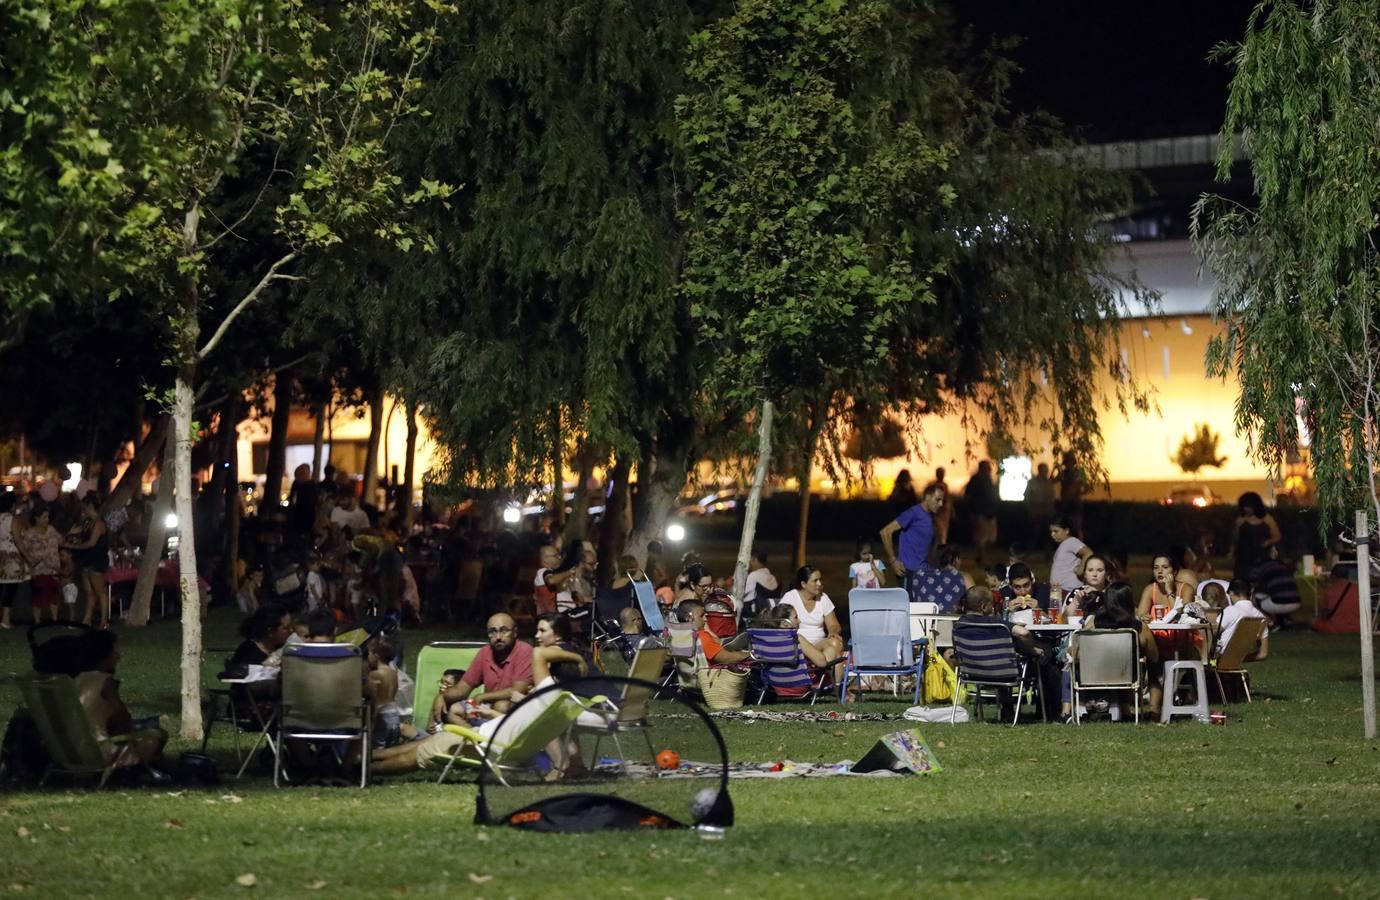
(218, 102)
(1199, 450)
(1298, 277)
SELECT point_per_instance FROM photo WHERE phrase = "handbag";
(941, 681)
(723, 688)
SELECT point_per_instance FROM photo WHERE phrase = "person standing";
(981, 497)
(903, 492)
(14, 563)
(1039, 499)
(945, 516)
(1256, 533)
(914, 530)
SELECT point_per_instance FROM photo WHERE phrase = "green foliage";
(1299, 276)
(798, 233)
(122, 123)
(1199, 450)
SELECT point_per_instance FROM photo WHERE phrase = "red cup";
(1218, 718)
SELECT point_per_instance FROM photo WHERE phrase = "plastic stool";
(1174, 669)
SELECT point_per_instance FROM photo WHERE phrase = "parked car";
(1191, 495)
(724, 500)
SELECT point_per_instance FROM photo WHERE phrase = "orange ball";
(668, 759)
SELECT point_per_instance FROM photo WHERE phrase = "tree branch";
(269, 277)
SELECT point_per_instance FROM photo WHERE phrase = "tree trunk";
(144, 456)
(318, 413)
(558, 473)
(184, 395)
(277, 440)
(409, 468)
(754, 503)
(661, 475)
(142, 601)
(803, 477)
(371, 456)
(576, 527)
(230, 413)
(613, 536)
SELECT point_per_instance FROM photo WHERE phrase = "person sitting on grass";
(503, 667)
(99, 694)
(551, 665)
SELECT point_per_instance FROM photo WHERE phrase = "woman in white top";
(818, 624)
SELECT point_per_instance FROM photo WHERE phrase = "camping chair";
(1106, 660)
(685, 652)
(987, 659)
(604, 624)
(646, 601)
(1232, 659)
(784, 669)
(432, 663)
(67, 733)
(322, 701)
(881, 642)
(523, 733)
(633, 705)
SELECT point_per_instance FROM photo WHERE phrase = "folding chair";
(323, 701)
(252, 715)
(1106, 660)
(685, 653)
(432, 662)
(881, 641)
(73, 748)
(1232, 659)
(784, 669)
(987, 659)
(520, 735)
(57, 647)
(646, 601)
(636, 697)
(942, 633)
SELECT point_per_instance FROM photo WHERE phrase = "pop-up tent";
(596, 753)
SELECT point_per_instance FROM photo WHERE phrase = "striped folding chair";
(783, 668)
(987, 659)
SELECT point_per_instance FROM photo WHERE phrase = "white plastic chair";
(1106, 660)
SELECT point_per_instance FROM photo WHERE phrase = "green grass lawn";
(1282, 801)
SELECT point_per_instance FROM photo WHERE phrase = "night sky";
(1117, 70)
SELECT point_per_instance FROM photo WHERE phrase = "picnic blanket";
(761, 715)
(898, 753)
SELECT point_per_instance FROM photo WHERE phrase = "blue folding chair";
(880, 642)
(646, 601)
(783, 667)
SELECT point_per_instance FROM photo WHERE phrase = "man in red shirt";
(503, 668)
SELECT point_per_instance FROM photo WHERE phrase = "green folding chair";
(432, 662)
(526, 731)
(67, 734)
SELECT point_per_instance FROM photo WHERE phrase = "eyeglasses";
(502, 629)
(705, 584)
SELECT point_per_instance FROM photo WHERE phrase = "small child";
(70, 592)
(316, 585)
(867, 571)
(383, 690)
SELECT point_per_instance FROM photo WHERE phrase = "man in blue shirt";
(910, 555)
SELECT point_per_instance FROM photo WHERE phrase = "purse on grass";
(722, 688)
(940, 680)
